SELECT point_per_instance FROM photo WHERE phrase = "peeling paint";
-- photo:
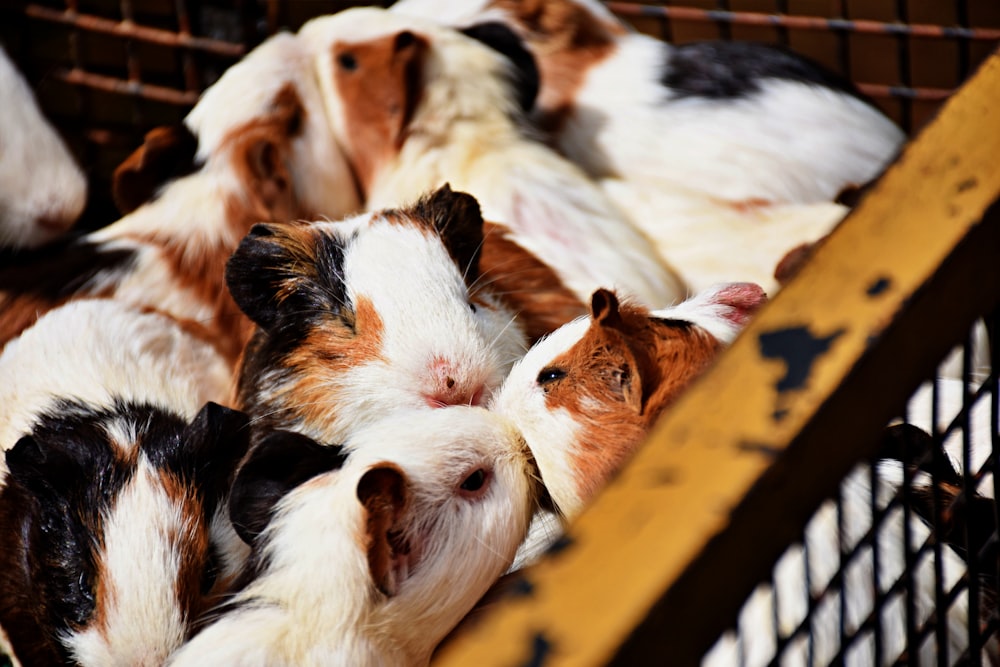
(799, 349)
(564, 542)
(540, 650)
(879, 287)
(967, 184)
(764, 448)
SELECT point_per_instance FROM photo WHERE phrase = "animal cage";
(718, 513)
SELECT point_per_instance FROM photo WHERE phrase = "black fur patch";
(727, 70)
(62, 268)
(63, 480)
(278, 288)
(459, 222)
(526, 79)
(281, 461)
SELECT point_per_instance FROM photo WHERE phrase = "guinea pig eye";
(548, 375)
(347, 61)
(472, 307)
(473, 485)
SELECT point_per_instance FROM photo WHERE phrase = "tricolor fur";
(736, 121)
(416, 105)
(372, 558)
(726, 154)
(114, 485)
(361, 316)
(258, 154)
(42, 190)
(586, 396)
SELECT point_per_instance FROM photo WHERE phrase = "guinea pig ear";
(382, 492)
(210, 448)
(261, 162)
(281, 461)
(625, 378)
(167, 153)
(500, 38)
(459, 222)
(604, 308)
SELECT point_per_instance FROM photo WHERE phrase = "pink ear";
(742, 300)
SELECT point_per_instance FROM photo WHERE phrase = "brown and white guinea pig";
(42, 189)
(416, 105)
(370, 558)
(742, 122)
(260, 151)
(113, 494)
(368, 314)
(587, 395)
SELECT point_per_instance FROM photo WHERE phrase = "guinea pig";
(586, 396)
(113, 493)
(267, 157)
(370, 558)
(416, 105)
(368, 314)
(743, 122)
(725, 154)
(42, 189)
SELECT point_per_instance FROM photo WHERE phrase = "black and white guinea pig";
(42, 190)
(587, 395)
(370, 558)
(365, 315)
(112, 495)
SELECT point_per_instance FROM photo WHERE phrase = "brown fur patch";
(259, 151)
(567, 41)
(382, 492)
(618, 380)
(525, 284)
(379, 84)
(166, 152)
(331, 349)
(193, 547)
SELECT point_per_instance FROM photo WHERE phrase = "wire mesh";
(901, 567)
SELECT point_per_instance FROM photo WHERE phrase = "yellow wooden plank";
(831, 358)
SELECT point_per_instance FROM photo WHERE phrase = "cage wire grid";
(108, 71)
(902, 564)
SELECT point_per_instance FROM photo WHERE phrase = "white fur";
(143, 623)
(708, 241)
(789, 143)
(756, 623)
(322, 178)
(463, 132)
(94, 350)
(315, 602)
(42, 190)
(423, 303)
(6, 650)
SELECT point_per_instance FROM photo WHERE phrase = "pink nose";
(447, 388)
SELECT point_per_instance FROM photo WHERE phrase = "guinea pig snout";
(449, 385)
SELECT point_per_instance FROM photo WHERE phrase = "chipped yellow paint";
(872, 281)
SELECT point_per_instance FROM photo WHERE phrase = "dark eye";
(548, 375)
(475, 481)
(472, 307)
(347, 61)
